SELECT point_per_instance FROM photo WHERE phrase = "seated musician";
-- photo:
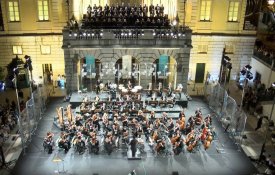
(48, 142)
(208, 120)
(79, 143)
(152, 117)
(108, 144)
(125, 135)
(63, 142)
(93, 145)
(160, 146)
(129, 85)
(95, 119)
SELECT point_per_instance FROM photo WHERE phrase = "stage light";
(270, 2)
(248, 67)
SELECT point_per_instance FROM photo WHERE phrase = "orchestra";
(105, 126)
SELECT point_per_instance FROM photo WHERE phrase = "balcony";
(264, 57)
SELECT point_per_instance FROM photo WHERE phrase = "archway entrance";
(165, 71)
(88, 72)
(127, 69)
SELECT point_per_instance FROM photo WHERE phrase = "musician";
(108, 85)
(160, 146)
(108, 144)
(80, 144)
(169, 90)
(152, 117)
(129, 85)
(98, 82)
(160, 89)
(48, 142)
(95, 119)
(93, 145)
(133, 145)
(63, 142)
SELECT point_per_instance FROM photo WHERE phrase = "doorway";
(200, 70)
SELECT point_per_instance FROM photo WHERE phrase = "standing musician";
(169, 90)
(98, 82)
(133, 144)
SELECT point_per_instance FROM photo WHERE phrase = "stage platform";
(77, 98)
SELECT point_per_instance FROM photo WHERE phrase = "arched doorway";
(88, 72)
(127, 69)
(164, 71)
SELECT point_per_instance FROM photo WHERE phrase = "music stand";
(57, 159)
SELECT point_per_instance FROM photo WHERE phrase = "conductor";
(133, 145)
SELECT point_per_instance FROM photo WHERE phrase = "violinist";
(178, 147)
(48, 142)
(160, 146)
(80, 144)
(108, 144)
(93, 145)
(95, 119)
(63, 142)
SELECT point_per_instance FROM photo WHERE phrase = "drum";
(134, 90)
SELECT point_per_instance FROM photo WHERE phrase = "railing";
(32, 114)
(260, 56)
(232, 117)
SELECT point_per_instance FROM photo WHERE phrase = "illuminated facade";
(34, 27)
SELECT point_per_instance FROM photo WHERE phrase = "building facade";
(35, 28)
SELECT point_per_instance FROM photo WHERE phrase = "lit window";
(43, 10)
(205, 10)
(14, 11)
(233, 11)
(17, 50)
(45, 49)
(202, 49)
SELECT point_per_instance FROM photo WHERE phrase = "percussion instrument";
(134, 90)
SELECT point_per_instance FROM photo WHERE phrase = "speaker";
(175, 173)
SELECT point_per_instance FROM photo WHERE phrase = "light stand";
(19, 112)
